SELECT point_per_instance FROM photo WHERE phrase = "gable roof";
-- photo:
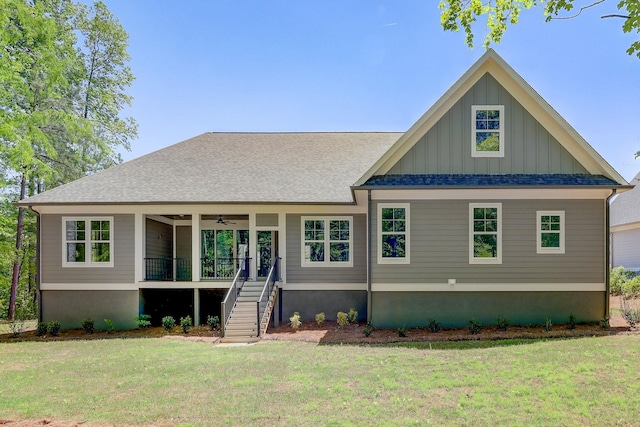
(625, 208)
(493, 64)
(234, 168)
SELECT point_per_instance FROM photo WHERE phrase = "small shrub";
(434, 326)
(320, 318)
(88, 325)
(547, 325)
(42, 328)
(185, 324)
(168, 323)
(631, 287)
(604, 322)
(352, 315)
(367, 330)
(16, 327)
(143, 321)
(402, 332)
(110, 326)
(572, 321)
(54, 328)
(474, 327)
(619, 278)
(342, 319)
(294, 321)
(630, 309)
(213, 322)
(502, 324)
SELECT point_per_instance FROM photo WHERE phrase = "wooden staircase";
(242, 326)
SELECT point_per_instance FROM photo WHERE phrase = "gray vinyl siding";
(439, 239)
(123, 251)
(159, 239)
(183, 242)
(298, 274)
(625, 249)
(310, 303)
(446, 147)
(267, 220)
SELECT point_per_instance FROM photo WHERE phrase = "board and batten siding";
(51, 253)
(625, 249)
(446, 147)
(298, 274)
(439, 242)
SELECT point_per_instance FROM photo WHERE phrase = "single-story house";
(490, 205)
(625, 228)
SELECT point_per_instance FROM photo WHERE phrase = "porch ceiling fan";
(222, 221)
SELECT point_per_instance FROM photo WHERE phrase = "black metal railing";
(223, 268)
(167, 269)
(263, 302)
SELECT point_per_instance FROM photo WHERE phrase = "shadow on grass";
(469, 344)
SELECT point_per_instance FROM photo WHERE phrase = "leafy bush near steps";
(168, 323)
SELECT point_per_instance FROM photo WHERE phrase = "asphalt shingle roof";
(488, 180)
(235, 168)
(625, 208)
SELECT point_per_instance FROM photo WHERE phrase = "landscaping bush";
(185, 324)
(54, 328)
(619, 276)
(604, 322)
(213, 322)
(367, 330)
(630, 307)
(547, 325)
(168, 323)
(352, 315)
(110, 326)
(320, 318)
(143, 321)
(572, 321)
(402, 332)
(342, 318)
(502, 324)
(631, 286)
(41, 330)
(474, 327)
(434, 326)
(294, 321)
(87, 325)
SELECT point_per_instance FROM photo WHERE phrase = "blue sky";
(284, 65)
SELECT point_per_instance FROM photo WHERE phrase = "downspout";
(607, 265)
(369, 302)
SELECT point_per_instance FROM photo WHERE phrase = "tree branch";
(579, 12)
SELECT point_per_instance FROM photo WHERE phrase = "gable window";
(326, 241)
(393, 233)
(487, 131)
(550, 234)
(485, 233)
(87, 242)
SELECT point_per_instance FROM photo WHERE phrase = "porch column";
(195, 248)
(253, 245)
(196, 307)
(138, 247)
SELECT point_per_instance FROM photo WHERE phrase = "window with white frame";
(87, 242)
(485, 233)
(393, 233)
(487, 131)
(327, 241)
(550, 234)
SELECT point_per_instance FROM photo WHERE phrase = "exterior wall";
(123, 253)
(159, 239)
(446, 148)
(310, 303)
(454, 309)
(183, 242)
(267, 220)
(71, 307)
(625, 248)
(298, 274)
(439, 245)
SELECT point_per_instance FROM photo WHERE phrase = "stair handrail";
(230, 298)
(267, 289)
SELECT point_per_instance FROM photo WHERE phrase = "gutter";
(607, 265)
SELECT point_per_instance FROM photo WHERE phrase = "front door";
(267, 249)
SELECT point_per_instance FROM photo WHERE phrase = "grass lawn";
(586, 381)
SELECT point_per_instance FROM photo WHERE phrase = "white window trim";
(87, 262)
(327, 259)
(407, 258)
(498, 258)
(474, 151)
(540, 249)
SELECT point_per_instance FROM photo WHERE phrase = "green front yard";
(587, 381)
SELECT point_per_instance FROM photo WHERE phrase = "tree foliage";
(63, 81)
(498, 14)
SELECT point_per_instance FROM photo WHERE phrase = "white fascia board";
(488, 287)
(625, 227)
(492, 194)
(324, 286)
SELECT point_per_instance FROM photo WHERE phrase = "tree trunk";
(16, 263)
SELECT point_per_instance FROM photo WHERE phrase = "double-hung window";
(393, 233)
(485, 233)
(87, 242)
(487, 131)
(550, 234)
(327, 241)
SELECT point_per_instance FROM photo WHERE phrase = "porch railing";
(263, 302)
(223, 268)
(226, 307)
(167, 269)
